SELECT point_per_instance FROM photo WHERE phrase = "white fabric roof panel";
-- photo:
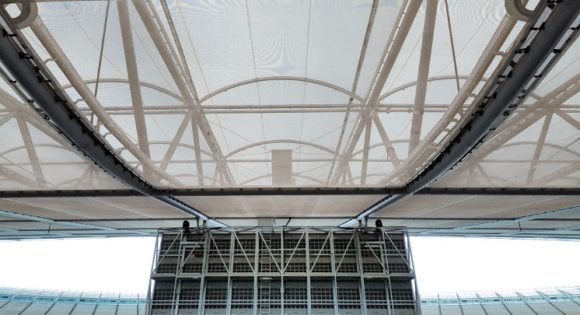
(476, 207)
(33, 156)
(176, 87)
(267, 75)
(281, 206)
(539, 144)
(90, 208)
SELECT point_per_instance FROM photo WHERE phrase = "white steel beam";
(363, 172)
(524, 119)
(423, 73)
(197, 148)
(539, 148)
(257, 144)
(17, 177)
(428, 145)
(172, 109)
(156, 31)
(133, 77)
(387, 143)
(354, 84)
(31, 151)
(278, 78)
(394, 44)
(50, 44)
(176, 140)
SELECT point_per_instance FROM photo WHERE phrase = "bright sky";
(447, 264)
(121, 265)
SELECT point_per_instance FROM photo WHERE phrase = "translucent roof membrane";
(281, 206)
(476, 207)
(539, 144)
(276, 93)
(71, 208)
(33, 156)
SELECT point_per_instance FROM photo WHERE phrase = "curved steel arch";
(189, 146)
(521, 143)
(369, 175)
(257, 144)
(180, 144)
(413, 83)
(192, 175)
(270, 175)
(126, 81)
(279, 78)
(376, 145)
(55, 146)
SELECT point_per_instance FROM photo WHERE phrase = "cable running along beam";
(549, 33)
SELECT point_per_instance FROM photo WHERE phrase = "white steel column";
(308, 272)
(202, 279)
(334, 271)
(31, 151)
(390, 55)
(230, 271)
(391, 153)
(428, 144)
(256, 269)
(423, 73)
(282, 270)
(133, 76)
(352, 94)
(197, 148)
(64, 64)
(363, 172)
(156, 31)
(359, 263)
(539, 147)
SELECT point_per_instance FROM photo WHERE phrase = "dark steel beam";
(288, 191)
(434, 219)
(528, 61)
(47, 98)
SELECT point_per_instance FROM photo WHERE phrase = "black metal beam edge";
(500, 100)
(287, 191)
(55, 106)
(140, 219)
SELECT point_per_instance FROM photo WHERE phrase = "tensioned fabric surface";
(210, 94)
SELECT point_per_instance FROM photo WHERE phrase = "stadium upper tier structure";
(120, 117)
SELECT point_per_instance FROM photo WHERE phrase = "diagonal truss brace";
(57, 108)
(547, 36)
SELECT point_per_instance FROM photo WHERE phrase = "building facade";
(283, 271)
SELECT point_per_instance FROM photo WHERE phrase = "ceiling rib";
(156, 31)
(354, 87)
(133, 76)
(423, 74)
(394, 45)
(49, 100)
(516, 76)
(65, 65)
(426, 147)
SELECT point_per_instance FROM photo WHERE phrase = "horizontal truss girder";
(299, 191)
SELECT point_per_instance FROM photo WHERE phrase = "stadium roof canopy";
(448, 117)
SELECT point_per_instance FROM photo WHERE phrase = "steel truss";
(274, 270)
(538, 49)
(33, 80)
(291, 191)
